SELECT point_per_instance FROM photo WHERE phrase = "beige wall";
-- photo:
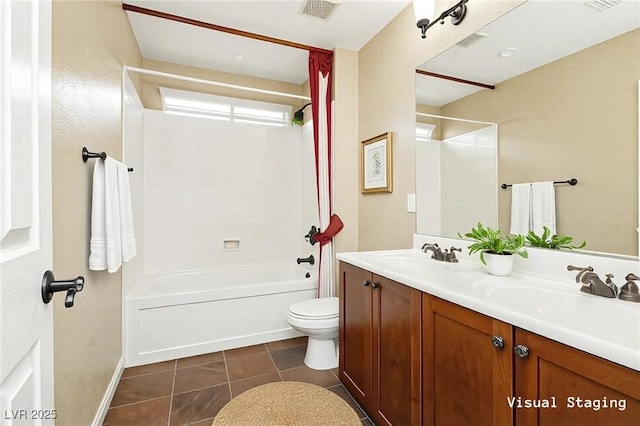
(346, 148)
(386, 99)
(575, 117)
(91, 42)
(151, 95)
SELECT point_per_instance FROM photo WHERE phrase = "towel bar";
(103, 155)
(572, 181)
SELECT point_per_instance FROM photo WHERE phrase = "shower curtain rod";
(214, 83)
(214, 27)
(455, 119)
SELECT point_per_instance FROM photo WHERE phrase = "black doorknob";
(50, 286)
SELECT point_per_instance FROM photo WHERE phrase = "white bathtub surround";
(208, 182)
(540, 295)
(133, 156)
(318, 319)
(170, 316)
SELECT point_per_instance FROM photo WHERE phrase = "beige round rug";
(287, 403)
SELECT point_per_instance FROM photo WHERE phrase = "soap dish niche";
(232, 244)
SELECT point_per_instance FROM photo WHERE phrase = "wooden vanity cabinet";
(380, 348)
(467, 366)
(470, 377)
(560, 374)
(409, 358)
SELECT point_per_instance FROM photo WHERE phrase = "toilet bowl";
(318, 319)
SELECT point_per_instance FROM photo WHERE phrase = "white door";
(26, 323)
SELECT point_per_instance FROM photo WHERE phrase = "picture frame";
(376, 164)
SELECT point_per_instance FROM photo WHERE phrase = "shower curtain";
(320, 67)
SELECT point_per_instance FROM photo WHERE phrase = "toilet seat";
(315, 309)
(319, 320)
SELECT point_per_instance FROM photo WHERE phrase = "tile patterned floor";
(191, 391)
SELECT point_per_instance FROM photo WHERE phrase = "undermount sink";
(403, 261)
(544, 301)
(552, 305)
(420, 261)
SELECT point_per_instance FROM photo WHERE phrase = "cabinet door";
(397, 353)
(609, 394)
(355, 333)
(466, 378)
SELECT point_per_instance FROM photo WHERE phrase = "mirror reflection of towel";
(335, 226)
(520, 208)
(543, 207)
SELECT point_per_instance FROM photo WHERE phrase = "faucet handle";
(450, 255)
(611, 284)
(581, 269)
(630, 291)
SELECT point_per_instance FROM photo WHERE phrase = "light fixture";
(425, 10)
(507, 53)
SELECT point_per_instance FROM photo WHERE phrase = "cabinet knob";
(365, 283)
(375, 285)
(522, 351)
(497, 342)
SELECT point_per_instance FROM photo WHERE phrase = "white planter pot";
(499, 264)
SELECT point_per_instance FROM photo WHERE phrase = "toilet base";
(321, 354)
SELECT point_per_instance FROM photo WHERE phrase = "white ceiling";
(351, 26)
(542, 31)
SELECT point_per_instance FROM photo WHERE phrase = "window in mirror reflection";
(463, 164)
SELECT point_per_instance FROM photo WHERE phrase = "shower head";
(298, 116)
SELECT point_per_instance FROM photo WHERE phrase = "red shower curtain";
(320, 74)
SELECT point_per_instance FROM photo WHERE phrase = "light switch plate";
(411, 203)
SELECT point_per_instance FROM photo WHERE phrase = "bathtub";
(176, 315)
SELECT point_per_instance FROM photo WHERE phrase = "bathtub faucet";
(310, 260)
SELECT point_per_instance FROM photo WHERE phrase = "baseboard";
(98, 420)
(175, 352)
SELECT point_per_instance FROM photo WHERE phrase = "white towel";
(520, 208)
(543, 207)
(126, 214)
(98, 244)
(112, 236)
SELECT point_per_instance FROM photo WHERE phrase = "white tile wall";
(133, 156)
(207, 181)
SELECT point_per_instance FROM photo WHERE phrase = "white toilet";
(318, 319)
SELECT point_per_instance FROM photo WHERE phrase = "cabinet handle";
(365, 283)
(522, 351)
(375, 285)
(498, 342)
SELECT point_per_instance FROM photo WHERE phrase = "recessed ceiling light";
(239, 57)
(506, 53)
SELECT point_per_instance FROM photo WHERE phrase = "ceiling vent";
(473, 38)
(321, 9)
(602, 5)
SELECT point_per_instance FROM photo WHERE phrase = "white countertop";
(553, 308)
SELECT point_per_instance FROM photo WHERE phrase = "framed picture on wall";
(376, 164)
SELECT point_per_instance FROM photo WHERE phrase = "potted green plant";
(496, 251)
(555, 241)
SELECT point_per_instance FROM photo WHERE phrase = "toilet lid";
(326, 307)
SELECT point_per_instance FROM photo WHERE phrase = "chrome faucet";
(592, 284)
(448, 255)
(437, 252)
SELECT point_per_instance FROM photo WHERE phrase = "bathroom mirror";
(565, 103)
